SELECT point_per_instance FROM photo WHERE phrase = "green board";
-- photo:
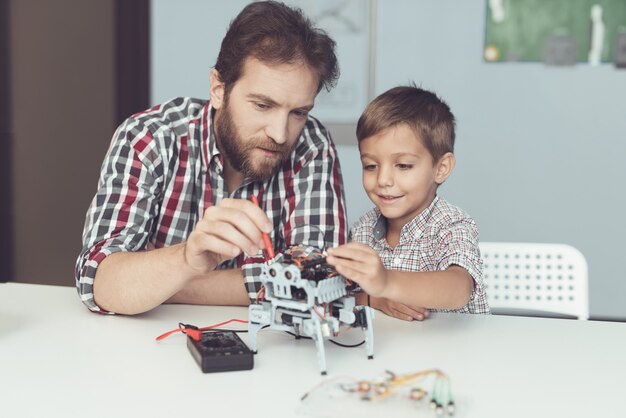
(517, 30)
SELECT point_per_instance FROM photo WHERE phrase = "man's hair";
(274, 33)
(428, 116)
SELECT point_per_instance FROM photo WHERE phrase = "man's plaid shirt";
(163, 170)
(441, 236)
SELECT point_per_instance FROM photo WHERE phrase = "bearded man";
(172, 220)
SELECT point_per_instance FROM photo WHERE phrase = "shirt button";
(396, 261)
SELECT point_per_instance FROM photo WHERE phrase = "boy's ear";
(444, 167)
(217, 89)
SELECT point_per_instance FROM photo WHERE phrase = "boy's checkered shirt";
(441, 236)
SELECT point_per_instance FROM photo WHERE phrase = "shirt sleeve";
(314, 210)
(122, 213)
(459, 246)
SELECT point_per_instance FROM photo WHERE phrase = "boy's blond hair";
(426, 114)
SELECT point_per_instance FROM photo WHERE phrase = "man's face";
(259, 121)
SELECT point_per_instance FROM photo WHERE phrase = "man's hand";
(359, 263)
(399, 310)
(226, 230)
(134, 282)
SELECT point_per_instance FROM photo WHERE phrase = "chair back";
(540, 278)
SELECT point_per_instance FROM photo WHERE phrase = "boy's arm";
(447, 289)
(394, 309)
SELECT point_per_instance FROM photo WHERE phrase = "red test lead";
(266, 238)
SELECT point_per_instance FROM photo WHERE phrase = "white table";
(59, 360)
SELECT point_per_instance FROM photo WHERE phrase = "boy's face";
(399, 175)
(261, 118)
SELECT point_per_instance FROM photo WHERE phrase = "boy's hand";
(359, 263)
(399, 310)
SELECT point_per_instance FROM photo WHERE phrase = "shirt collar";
(212, 143)
(412, 230)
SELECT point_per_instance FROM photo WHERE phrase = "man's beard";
(238, 152)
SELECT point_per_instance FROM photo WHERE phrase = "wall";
(62, 94)
(539, 149)
(6, 145)
(186, 38)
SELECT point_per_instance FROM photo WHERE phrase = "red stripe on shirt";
(337, 187)
(291, 200)
(128, 199)
(172, 202)
(130, 195)
(205, 129)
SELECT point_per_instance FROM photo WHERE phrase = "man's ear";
(444, 167)
(217, 90)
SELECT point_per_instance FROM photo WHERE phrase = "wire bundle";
(441, 399)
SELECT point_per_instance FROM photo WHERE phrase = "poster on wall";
(558, 32)
(348, 23)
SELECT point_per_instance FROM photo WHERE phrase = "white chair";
(535, 279)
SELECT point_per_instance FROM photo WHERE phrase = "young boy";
(413, 252)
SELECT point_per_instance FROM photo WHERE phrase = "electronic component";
(304, 294)
(420, 394)
(220, 351)
(620, 49)
(560, 50)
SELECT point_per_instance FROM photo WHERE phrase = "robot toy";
(303, 294)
